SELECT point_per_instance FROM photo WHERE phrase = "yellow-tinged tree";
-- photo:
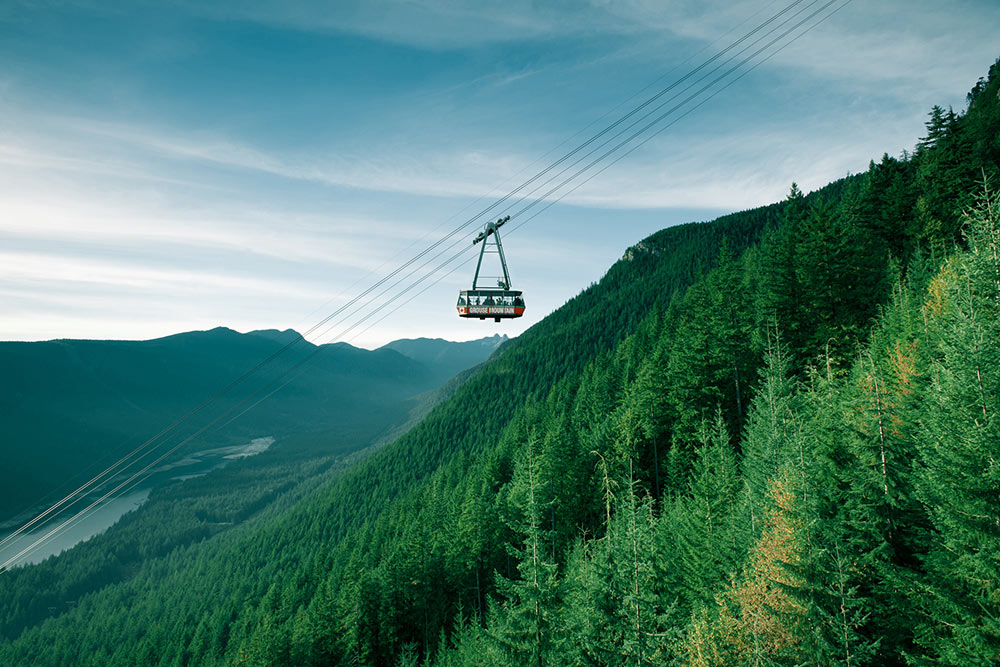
(758, 621)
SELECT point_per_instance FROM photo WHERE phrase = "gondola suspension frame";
(499, 302)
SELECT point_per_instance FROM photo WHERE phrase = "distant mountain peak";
(494, 340)
(447, 358)
(286, 336)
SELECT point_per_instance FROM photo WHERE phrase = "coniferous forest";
(770, 439)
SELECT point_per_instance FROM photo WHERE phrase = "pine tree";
(524, 622)
(590, 608)
(780, 298)
(635, 572)
(567, 492)
(757, 621)
(886, 209)
(841, 276)
(611, 602)
(959, 453)
(769, 444)
(476, 531)
(841, 540)
(705, 519)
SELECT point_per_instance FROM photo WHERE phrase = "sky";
(172, 166)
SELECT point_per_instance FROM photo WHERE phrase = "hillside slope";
(527, 365)
(246, 561)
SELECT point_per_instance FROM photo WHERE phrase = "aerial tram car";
(500, 302)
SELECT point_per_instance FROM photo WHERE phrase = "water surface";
(65, 530)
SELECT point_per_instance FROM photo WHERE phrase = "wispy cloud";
(681, 169)
(914, 47)
(252, 152)
(41, 268)
(434, 24)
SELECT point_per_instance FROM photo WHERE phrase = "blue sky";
(175, 166)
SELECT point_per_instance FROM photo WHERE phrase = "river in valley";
(64, 531)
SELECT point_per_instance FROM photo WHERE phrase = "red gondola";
(499, 302)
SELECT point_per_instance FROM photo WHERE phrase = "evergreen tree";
(757, 621)
(705, 519)
(842, 541)
(780, 299)
(959, 450)
(524, 622)
(769, 444)
(635, 571)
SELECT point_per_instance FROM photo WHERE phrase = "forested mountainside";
(191, 525)
(769, 439)
(70, 404)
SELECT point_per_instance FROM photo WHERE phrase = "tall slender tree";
(960, 450)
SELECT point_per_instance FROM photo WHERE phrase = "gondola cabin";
(483, 303)
(500, 302)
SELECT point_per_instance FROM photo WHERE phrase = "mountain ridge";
(91, 398)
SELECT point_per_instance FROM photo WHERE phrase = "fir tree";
(769, 443)
(959, 450)
(524, 621)
(705, 519)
